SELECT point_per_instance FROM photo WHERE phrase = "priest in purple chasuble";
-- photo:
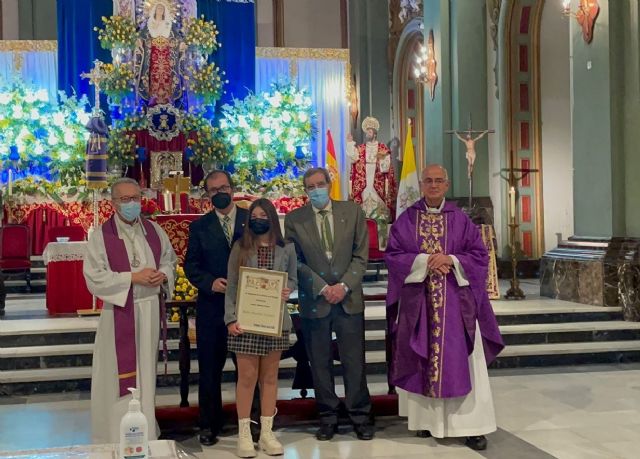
(442, 327)
(129, 264)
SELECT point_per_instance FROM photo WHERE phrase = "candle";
(166, 197)
(512, 202)
(10, 182)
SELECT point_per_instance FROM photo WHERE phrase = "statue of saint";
(159, 56)
(373, 183)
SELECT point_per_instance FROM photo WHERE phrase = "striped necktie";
(226, 228)
(327, 236)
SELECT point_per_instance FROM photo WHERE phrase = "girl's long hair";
(249, 240)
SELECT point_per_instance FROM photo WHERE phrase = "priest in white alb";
(443, 330)
(130, 266)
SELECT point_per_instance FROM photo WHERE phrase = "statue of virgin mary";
(159, 55)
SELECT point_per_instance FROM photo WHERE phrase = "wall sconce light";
(586, 16)
(425, 70)
(353, 103)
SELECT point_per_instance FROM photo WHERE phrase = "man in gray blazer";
(331, 242)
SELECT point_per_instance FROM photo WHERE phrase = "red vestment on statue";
(384, 183)
(161, 74)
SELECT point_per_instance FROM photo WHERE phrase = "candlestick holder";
(514, 292)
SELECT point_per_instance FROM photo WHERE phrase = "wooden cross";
(177, 184)
(95, 77)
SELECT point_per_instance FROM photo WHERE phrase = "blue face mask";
(319, 197)
(130, 210)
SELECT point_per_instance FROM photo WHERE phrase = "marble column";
(459, 29)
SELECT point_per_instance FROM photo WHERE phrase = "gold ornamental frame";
(162, 162)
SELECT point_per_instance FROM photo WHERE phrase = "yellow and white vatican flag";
(409, 187)
(332, 167)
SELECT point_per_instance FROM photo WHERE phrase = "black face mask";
(221, 200)
(259, 225)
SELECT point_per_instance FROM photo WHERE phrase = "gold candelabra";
(514, 292)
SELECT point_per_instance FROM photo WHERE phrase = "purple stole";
(123, 317)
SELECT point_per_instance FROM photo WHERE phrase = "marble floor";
(579, 412)
(569, 412)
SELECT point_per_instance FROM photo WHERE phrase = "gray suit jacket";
(284, 259)
(315, 270)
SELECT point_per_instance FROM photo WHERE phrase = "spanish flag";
(332, 167)
(409, 187)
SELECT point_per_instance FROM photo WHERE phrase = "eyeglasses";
(319, 185)
(125, 199)
(437, 181)
(220, 189)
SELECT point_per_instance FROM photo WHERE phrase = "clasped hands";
(334, 294)
(234, 328)
(439, 263)
(148, 277)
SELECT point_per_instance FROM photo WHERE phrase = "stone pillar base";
(596, 271)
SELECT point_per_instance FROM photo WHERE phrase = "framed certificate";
(259, 305)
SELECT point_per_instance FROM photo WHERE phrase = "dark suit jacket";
(207, 258)
(315, 270)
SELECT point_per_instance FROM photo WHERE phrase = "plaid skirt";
(250, 343)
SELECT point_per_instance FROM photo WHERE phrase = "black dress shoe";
(207, 438)
(326, 432)
(478, 443)
(423, 434)
(364, 431)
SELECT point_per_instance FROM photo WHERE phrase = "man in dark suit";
(331, 240)
(210, 241)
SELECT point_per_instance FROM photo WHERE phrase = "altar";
(66, 288)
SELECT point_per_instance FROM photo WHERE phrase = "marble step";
(73, 355)
(573, 332)
(77, 378)
(553, 354)
(570, 332)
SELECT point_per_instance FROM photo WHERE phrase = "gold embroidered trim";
(431, 230)
(126, 375)
(28, 45)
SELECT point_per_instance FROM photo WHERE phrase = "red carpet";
(289, 412)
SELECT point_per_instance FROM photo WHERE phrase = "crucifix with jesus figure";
(469, 137)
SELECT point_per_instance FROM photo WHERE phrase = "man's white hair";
(434, 165)
(122, 181)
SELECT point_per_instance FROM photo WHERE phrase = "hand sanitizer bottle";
(134, 440)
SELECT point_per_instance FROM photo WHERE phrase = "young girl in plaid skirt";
(262, 246)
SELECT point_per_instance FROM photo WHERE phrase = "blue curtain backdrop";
(237, 57)
(38, 69)
(78, 44)
(326, 80)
